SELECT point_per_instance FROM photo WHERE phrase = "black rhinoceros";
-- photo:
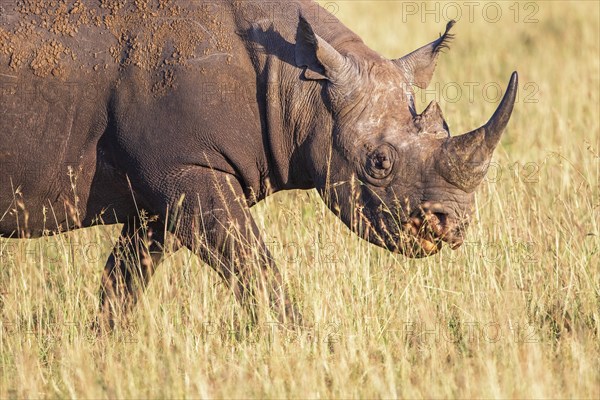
(176, 116)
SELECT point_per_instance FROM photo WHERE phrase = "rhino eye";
(380, 162)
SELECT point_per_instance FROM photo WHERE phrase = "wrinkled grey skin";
(290, 102)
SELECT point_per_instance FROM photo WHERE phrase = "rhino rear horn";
(418, 66)
(465, 159)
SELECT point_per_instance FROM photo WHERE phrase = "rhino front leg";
(216, 224)
(129, 269)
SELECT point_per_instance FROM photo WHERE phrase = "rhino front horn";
(465, 159)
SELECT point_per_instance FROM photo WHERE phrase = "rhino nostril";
(435, 226)
(441, 219)
(436, 223)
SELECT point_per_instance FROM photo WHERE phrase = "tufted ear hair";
(319, 58)
(418, 66)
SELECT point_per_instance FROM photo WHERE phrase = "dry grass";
(513, 313)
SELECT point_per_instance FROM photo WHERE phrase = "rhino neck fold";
(296, 123)
(295, 118)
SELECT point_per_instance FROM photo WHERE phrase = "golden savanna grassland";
(515, 312)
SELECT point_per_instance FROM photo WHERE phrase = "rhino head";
(395, 177)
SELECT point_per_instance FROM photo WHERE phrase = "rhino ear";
(319, 58)
(419, 65)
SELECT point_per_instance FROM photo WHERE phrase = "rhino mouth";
(420, 246)
(423, 235)
(413, 239)
(428, 247)
(420, 234)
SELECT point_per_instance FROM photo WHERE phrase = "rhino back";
(61, 63)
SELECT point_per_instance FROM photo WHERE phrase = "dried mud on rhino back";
(62, 39)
